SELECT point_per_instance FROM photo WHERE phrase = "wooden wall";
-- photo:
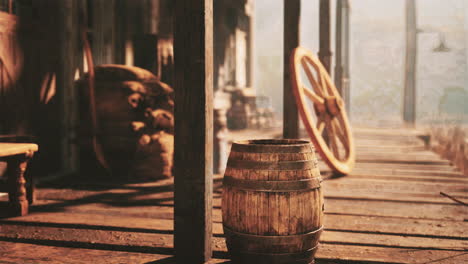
(28, 54)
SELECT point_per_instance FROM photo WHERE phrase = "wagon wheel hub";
(333, 105)
(328, 115)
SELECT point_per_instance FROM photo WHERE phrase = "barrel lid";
(273, 146)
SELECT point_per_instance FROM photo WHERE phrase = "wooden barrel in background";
(272, 202)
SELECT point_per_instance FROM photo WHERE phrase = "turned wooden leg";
(19, 204)
(30, 188)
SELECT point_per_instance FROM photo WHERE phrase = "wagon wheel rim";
(326, 114)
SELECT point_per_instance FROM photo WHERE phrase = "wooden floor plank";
(335, 253)
(402, 226)
(437, 168)
(159, 242)
(396, 209)
(403, 172)
(365, 224)
(411, 179)
(15, 253)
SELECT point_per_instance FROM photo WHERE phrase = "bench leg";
(19, 204)
(30, 188)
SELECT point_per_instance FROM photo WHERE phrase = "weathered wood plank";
(193, 50)
(391, 187)
(438, 168)
(408, 171)
(327, 254)
(292, 11)
(12, 252)
(416, 158)
(369, 224)
(396, 209)
(159, 242)
(401, 226)
(410, 179)
(333, 253)
(160, 236)
(397, 241)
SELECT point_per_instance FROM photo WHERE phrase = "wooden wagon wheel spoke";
(320, 124)
(323, 82)
(313, 96)
(330, 114)
(315, 85)
(339, 132)
(321, 73)
(331, 136)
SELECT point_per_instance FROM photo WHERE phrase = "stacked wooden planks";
(389, 210)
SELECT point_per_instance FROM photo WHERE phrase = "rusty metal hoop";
(329, 112)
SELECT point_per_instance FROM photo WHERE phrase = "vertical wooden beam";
(193, 50)
(341, 74)
(339, 47)
(324, 32)
(68, 38)
(250, 43)
(145, 40)
(292, 12)
(409, 95)
(346, 61)
(103, 31)
(120, 21)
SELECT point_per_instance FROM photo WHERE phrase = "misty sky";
(377, 53)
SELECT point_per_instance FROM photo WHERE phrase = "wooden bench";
(17, 156)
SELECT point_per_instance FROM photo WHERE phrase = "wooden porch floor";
(388, 211)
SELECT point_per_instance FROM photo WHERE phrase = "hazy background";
(377, 57)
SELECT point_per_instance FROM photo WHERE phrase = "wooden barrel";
(272, 202)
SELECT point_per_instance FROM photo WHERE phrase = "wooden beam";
(341, 74)
(339, 47)
(324, 32)
(250, 42)
(409, 96)
(292, 12)
(346, 76)
(193, 50)
(103, 31)
(68, 41)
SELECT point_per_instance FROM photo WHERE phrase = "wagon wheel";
(328, 115)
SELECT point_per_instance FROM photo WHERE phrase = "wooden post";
(103, 31)
(292, 11)
(68, 40)
(193, 50)
(345, 49)
(339, 47)
(324, 32)
(250, 43)
(409, 99)
(342, 51)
